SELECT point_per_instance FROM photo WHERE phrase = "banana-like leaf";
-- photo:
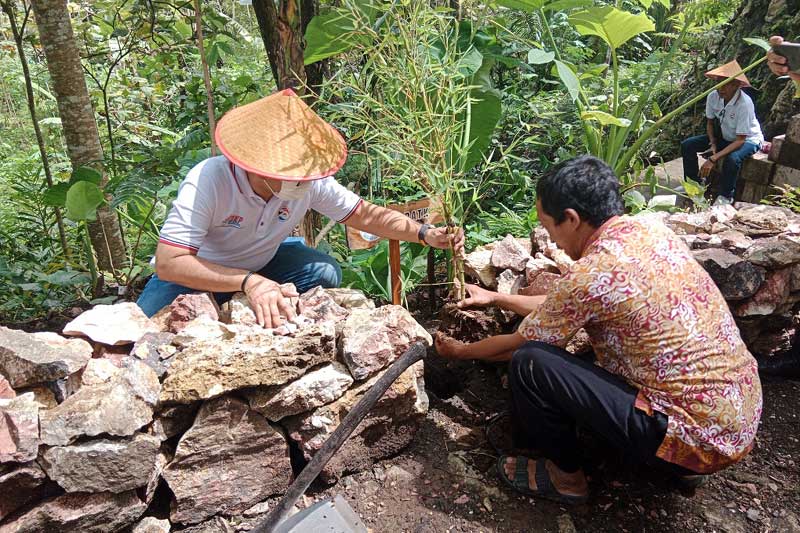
(485, 114)
(83, 199)
(606, 119)
(569, 79)
(566, 5)
(614, 26)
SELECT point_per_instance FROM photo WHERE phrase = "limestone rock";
(19, 429)
(735, 241)
(118, 406)
(31, 358)
(350, 298)
(151, 524)
(509, 253)
(229, 460)
(203, 329)
(42, 395)
(316, 388)
(773, 253)
(478, 264)
(187, 307)
(318, 305)
(99, 371)
(562, 260)
(102, 465)
(19, 484)
(88, 513)
(174, 420)
(156, 349)
(538, 264)
(215, 525)
(736, 278)
(540, 285)
(163, 458)
(702, 221)
(122, 323)
(509, 282)
(207, 369)
(540, 241)
(763, 217)
(241, 312)
(6, 391)
(773, 292)
(388, 428)
(372, 339)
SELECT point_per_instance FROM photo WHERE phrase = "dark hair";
(585, 184)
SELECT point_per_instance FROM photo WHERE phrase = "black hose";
(415, 353)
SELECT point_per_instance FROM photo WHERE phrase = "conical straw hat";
(727, 70)
(280, 137)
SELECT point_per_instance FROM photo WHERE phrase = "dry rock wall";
(198, 400)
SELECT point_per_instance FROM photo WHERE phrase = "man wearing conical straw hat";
(737, 137)
(229, 228)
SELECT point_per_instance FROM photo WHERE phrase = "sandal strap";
(521, 473)
(544, 484)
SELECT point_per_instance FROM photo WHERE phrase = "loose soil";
(446, 480)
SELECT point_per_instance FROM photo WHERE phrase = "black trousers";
(553, 392)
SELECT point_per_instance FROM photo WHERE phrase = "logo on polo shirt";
(233, 221)
(283, 213)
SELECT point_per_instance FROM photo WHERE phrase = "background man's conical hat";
(727, 70)
(280, 137)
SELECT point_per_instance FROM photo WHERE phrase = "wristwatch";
(423, 229)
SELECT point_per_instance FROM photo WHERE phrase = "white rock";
(122, 323)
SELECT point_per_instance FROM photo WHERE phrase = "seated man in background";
(739, 137)
(674, 385)
(227, 230)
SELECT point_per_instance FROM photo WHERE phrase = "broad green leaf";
(569, 80)
(83, 199)
(566, 5)
(328, 35)
(470, 62)
(537, 56)
(635, 199)
(485, 114)
(614, 26)
(692, 188)
(183, 29)
(645, 4)
(522, 5)
(606, 119)
(758, 42)
(56, 195)
(86, 174)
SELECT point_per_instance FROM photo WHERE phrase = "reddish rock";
(19, 429)
(540, 241)
(541, 284)
(373, 338)
(19, 484)
(318, 305)
(773, 253)
(33, 358)
(187, 307)
(230, 459)
(509, 253)
(509, 282)
(6, 391)
(85, 513)
(478, 265)
(769, 297)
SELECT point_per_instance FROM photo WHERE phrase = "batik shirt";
(656, 319)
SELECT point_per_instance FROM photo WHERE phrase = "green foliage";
(787, 196)
(368, 270)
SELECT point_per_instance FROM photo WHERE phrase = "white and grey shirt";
(738, 117)
(219, 217)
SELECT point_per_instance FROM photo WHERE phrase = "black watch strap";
(423, 229)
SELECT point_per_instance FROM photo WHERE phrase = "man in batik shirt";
(673, 385)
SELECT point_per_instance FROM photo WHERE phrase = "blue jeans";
(294, 262)
(730, 167)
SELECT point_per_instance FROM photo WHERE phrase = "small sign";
(424, 211)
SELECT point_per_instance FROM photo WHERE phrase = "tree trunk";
(18, 34)
(282, 30)
(77, 119)
(212, 121)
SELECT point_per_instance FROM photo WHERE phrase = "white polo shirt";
(738, 117)
(218, 216)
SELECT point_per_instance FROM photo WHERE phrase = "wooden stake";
(394, 270)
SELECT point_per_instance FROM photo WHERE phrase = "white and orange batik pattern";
(656, 319)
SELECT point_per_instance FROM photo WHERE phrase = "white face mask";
(291, 190)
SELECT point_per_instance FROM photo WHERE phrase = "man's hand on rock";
(476, 297)
(441, 238)
(777, 63)
(270, 301)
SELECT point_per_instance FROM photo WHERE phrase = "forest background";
(463, 99)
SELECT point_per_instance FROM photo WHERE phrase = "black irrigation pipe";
(415, 353)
